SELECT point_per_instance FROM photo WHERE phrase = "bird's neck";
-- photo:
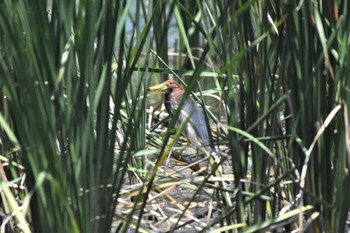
(167, 103)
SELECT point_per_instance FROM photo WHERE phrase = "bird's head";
(166, 87)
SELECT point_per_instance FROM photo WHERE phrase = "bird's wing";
(196, 129)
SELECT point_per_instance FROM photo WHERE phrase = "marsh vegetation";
(85, 148)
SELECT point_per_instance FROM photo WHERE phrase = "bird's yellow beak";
(159, 87)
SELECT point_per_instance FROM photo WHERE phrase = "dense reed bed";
(85, 148)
